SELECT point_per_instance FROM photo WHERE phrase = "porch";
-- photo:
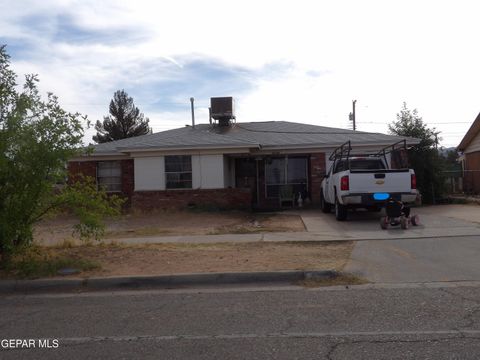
(277, 181)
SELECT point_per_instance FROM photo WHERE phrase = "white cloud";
(380, 53)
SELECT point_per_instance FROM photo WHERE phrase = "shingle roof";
(269, 134)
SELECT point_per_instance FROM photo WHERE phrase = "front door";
(246, 175)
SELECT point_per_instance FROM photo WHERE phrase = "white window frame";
(178, 172)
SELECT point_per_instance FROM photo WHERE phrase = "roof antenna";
(193, 112)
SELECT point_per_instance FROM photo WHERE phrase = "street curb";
(162, 281)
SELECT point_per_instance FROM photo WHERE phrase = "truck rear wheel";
(326, 207)
(340, 211)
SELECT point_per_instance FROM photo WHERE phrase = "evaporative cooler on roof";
(222, 110)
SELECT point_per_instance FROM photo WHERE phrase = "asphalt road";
(415, 321)
(417, 260)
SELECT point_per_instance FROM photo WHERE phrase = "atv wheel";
(415, 220)
(384, 222)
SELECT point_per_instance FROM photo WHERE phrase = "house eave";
(187, 148)
(333, 145)
(103, 156)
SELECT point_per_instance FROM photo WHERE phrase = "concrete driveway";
(435, 221)
(446, 247)
(417, 260)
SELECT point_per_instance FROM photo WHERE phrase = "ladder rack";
(344, 151)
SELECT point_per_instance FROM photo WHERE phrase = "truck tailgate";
(381, 181)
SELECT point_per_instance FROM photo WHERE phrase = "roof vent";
(222, 110)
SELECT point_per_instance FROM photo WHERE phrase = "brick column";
(128, 179)
(317, 172)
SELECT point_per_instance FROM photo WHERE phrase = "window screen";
(286, 171)
(178, 172)
(109, 175)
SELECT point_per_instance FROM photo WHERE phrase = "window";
(109, 175)
(366, 164)
(340, 166)
(285, 171)
(178, 172)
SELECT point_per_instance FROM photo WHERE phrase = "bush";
(37, 138)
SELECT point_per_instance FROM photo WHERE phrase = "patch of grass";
(66, 244)
(243, 229)
(340, 279)
(36, 262)
(234, 230)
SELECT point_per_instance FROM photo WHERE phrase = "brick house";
(470, 147)
(241, 165)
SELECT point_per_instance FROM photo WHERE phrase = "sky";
(301, 61)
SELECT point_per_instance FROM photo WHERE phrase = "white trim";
(192, 151)
(186, 148)
(107, 157)
(322, 148)
(241, 150)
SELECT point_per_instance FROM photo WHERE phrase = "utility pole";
(351, 116)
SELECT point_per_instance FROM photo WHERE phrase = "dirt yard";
(156, 259)
(111, 258)
(55, 231)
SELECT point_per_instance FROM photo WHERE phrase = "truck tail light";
(414, 181)
(344, 183)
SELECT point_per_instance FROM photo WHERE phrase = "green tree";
(450, 156)
(125, 120)
(424, 157)
(37, 138)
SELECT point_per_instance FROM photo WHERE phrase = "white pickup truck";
(364, 181)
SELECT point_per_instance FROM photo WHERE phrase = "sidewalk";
(440, 221)
(395, 233)
(437, 222)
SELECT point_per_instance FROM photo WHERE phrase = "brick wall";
(221, 198)
(181, 199)
(128, 177)
(89, 168)
(317, 172)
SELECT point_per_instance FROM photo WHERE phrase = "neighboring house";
(238, 165)
(470, 147)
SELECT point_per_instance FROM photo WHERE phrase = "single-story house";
(238, 165)
(470, 147)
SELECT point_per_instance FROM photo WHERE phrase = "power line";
(433, 123)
